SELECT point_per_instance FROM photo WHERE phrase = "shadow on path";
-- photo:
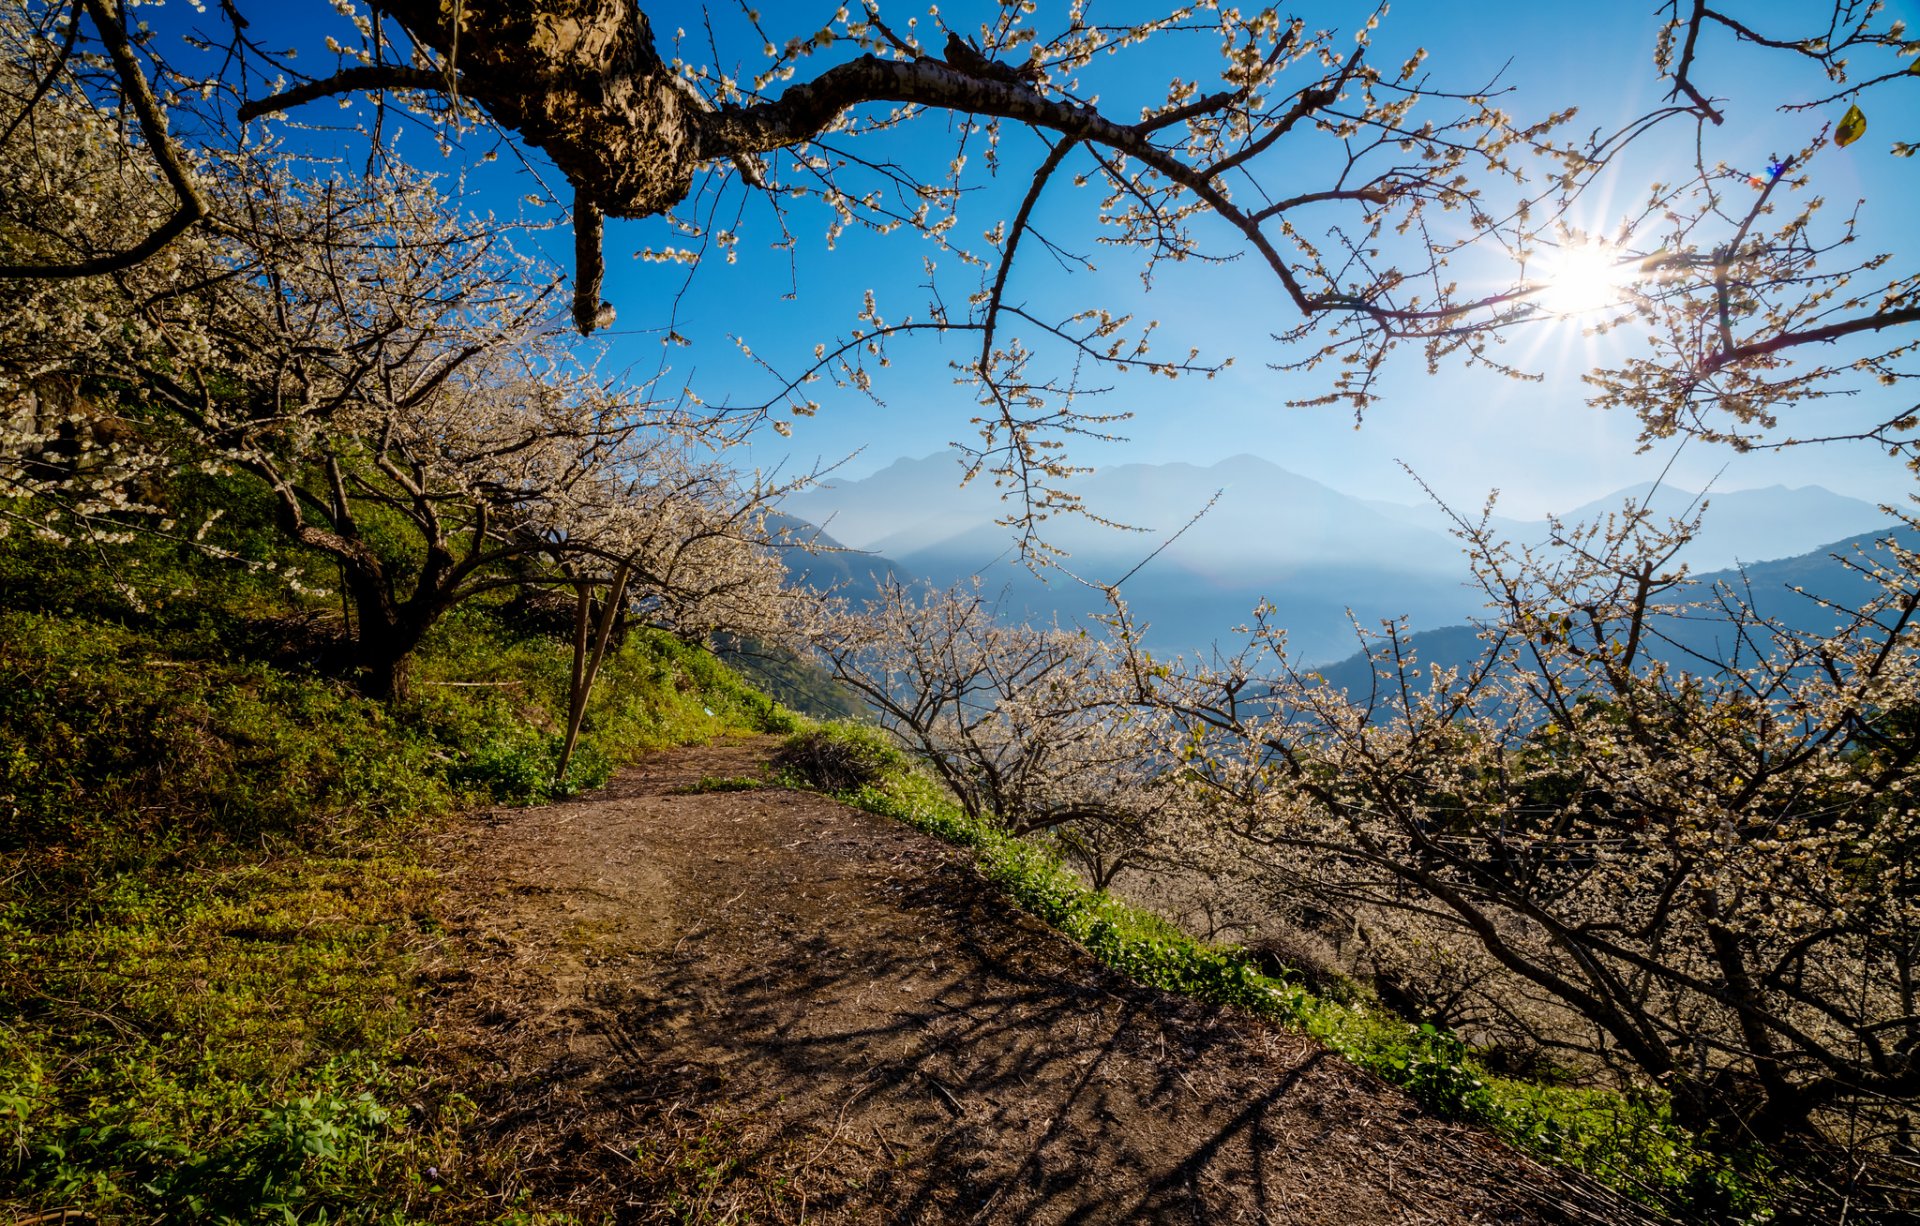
(763, 1004)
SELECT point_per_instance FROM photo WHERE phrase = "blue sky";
(1465, 432)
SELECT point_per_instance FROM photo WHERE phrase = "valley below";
(1330, 565)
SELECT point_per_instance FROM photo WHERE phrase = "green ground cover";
(214, 881)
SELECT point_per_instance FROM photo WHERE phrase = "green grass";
(224, 1042)
(721, 783)
(215, 897)
(1627, 1140)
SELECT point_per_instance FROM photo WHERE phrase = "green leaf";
(1853, 125)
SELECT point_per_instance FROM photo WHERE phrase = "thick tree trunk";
(382, 652)
(581, 80)
(1737, 1111)
(386, 637)
(383, 674)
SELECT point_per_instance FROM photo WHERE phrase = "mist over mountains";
(1801, 593)
(1313, 552)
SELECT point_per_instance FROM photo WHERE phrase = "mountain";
(1272, 534)
(1313, 552)
(906, 505)
(1790, 589)
(815, 559)
(1738, 526)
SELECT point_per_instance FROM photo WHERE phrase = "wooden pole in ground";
(585, 669)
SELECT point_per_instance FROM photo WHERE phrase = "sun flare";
(1583, 277)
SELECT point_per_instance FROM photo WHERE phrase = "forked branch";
(192, 204)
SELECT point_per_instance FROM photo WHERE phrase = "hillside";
(277, 949)
(213, 889)
(259, 967)
(1789, 589)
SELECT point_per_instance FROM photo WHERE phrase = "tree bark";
(579, 79)
(383, 648)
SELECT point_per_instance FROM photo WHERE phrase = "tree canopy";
(1394, 204)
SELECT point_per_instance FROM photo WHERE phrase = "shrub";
(838, 757)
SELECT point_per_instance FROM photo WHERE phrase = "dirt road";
(763, 1005)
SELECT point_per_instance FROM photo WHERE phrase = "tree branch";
(1019, 227)
(1808, 336)
(346, 81)
(590, 311)
(153, 126)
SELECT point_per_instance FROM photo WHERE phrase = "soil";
(763, 1005)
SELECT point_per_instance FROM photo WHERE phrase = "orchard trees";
(397, 373)
(1707, 861)
(69, 184)
(379, 363)
(1030, 727)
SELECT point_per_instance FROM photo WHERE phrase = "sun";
(1584, 276)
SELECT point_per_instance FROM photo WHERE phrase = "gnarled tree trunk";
(581, 80)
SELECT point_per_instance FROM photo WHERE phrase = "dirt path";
(764, 1004)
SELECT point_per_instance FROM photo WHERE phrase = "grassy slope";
(1625, 1140)
(211, 881)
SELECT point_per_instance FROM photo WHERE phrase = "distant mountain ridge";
(1788, 589)
(815, 559)
(1312, 551)
(1751, 525)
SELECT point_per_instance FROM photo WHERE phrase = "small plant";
(516, 766)
(838, 758)
(1434, 1070)
(294, 1153)
(721, 783)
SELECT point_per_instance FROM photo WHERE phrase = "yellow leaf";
(1853, 126)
